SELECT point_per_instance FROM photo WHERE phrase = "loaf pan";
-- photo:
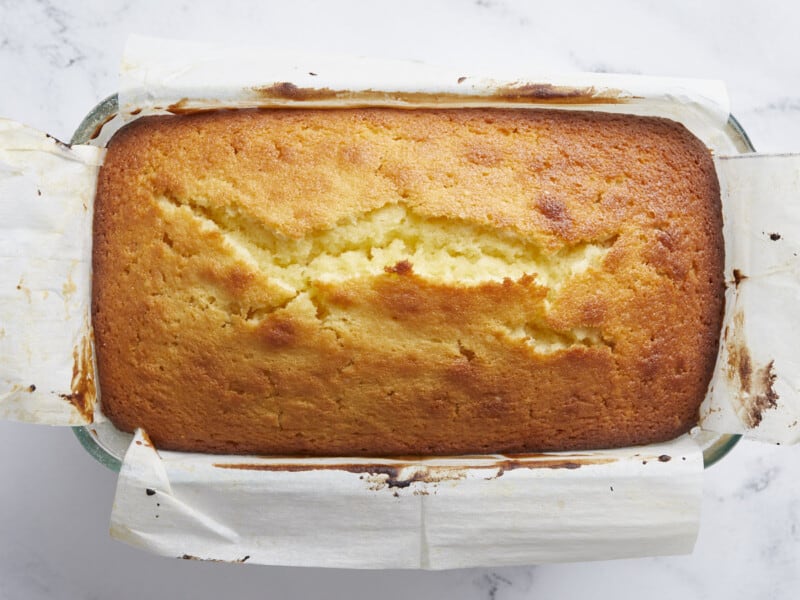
(91, 131)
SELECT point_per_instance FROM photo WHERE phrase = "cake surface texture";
(378, 282)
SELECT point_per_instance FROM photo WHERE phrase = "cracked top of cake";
(406, 282)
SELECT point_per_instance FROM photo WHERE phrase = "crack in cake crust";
(370, 245)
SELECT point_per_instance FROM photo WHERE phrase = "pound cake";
(387, 282)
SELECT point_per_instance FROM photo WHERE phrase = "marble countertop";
(57, 59)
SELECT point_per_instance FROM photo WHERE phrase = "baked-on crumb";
(406, 282)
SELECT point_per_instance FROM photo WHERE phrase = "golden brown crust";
(602, 332)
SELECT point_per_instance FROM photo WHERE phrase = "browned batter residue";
(403, 475)
(756, 383)
(548, 93)
(99, 128)
(765, 397)
(539, 93)
(83, 389)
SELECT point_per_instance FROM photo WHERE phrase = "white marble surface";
(57, 59)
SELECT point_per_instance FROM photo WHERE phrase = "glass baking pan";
(90, 131)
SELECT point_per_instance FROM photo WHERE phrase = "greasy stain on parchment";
(403, 475)
(83, 391)
(755, 382)
(520, 92)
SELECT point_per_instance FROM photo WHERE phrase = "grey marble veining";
(57, 59)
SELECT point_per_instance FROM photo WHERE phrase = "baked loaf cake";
(406, 282)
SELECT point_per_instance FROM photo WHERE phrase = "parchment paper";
(756, 386)
(435, 514)
(46, 203)
(447, 512)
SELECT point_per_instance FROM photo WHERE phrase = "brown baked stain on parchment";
(523, 92)
(571, 463)
(184, 106)
(738, 277)
(193, 557)
(403, 475)
(396, 476)
(16, 388)
(289, 91)
(99, 128)
(755, 382)
(83, 390)
(145, 441)
(548, 93)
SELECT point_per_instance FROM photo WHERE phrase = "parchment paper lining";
(46, 202)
